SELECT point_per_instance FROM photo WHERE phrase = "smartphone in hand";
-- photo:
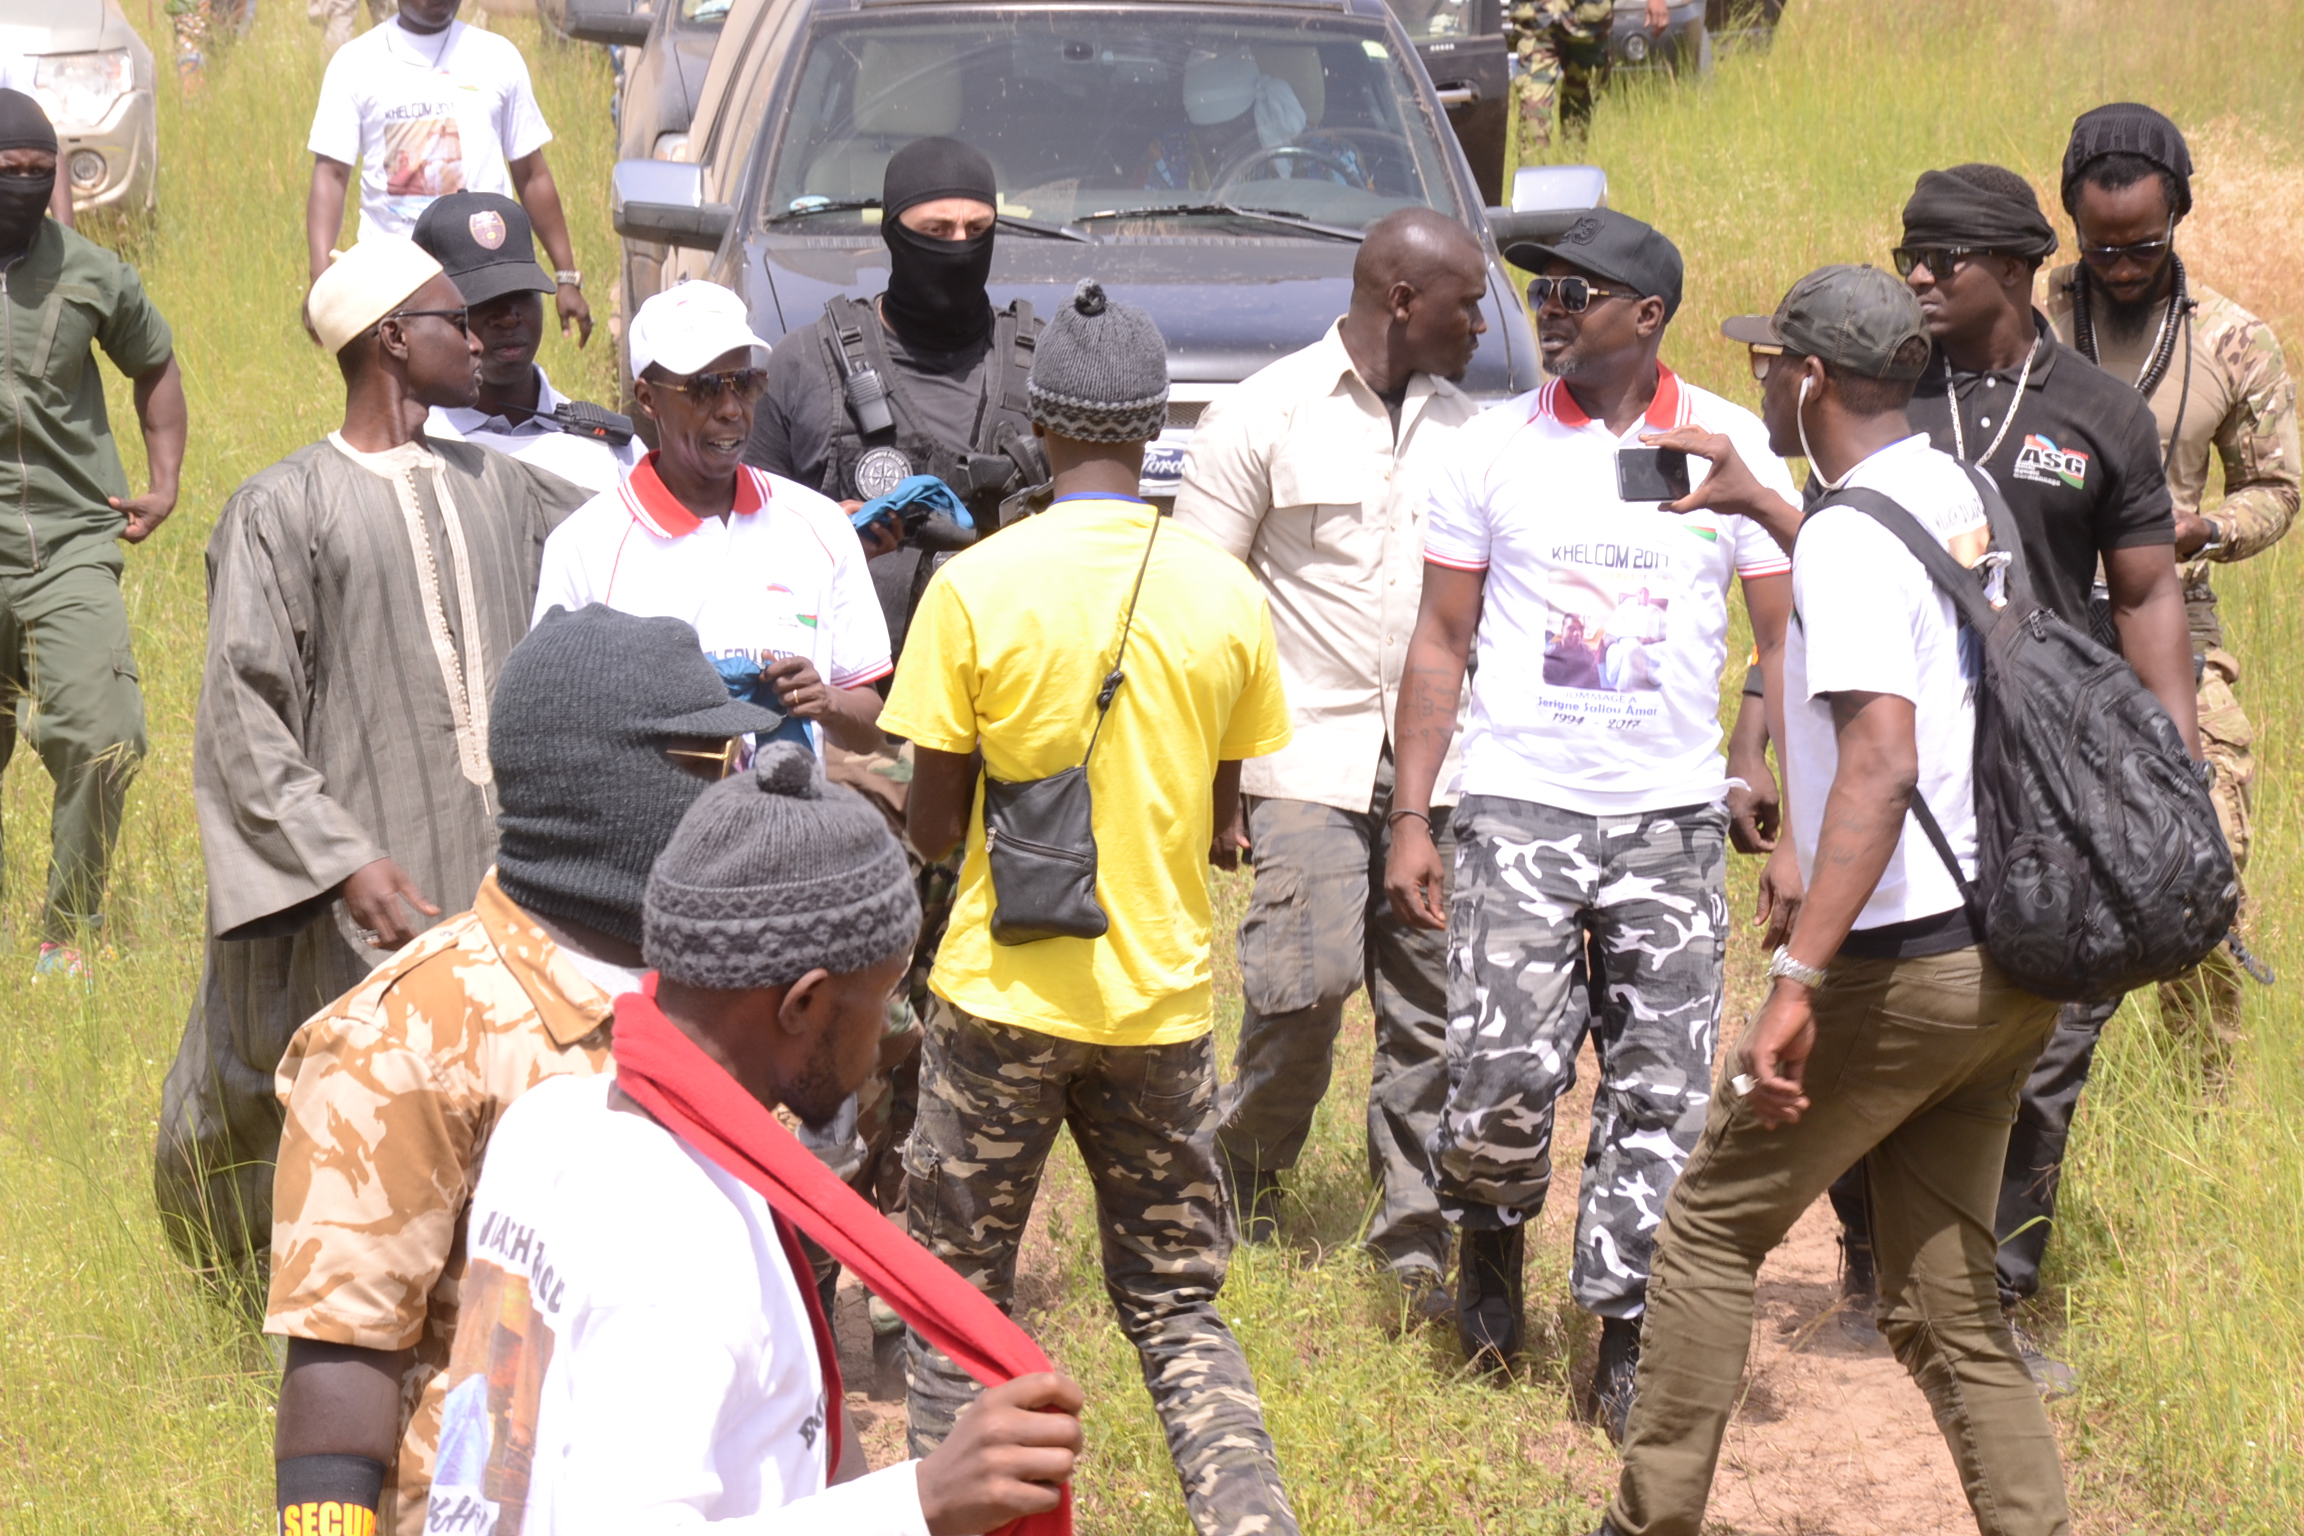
(1651, 474)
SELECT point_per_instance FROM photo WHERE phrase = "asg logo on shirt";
(2042, 461)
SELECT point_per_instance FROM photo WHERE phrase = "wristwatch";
(2209, 546)
(569, 279)
(1782, 964)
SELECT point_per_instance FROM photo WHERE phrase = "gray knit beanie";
(1100, 371)
(583, 709)
(775, 873)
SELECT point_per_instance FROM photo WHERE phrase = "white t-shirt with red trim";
(1603, 623)
(781, 575)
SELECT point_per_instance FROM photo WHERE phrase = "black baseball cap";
(485, 244)
(1853, 317)
(1615, 246)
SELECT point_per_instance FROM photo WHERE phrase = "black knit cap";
(23, 124)
(2128, 128)
(582, 712)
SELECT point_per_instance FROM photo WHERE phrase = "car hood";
(1226, 305)
(51, 26)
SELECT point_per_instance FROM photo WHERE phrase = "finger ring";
(1743, 1083)
(366, 936)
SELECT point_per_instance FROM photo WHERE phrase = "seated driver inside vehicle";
(1245, 125)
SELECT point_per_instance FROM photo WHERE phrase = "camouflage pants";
(2203, 1006)
(1562, 50)
(1318, 926)
(992, 1099)
(1561, 924)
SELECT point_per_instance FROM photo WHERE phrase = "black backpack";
(2101, 865)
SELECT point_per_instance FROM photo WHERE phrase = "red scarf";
(669, 1075)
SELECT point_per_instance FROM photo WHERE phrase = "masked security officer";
(927, 378)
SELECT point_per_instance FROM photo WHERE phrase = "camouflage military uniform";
(1562, 50)
(1561, 923)
(391, 1096)
(2233, 394)
(992, 1099)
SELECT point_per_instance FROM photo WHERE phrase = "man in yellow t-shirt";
(1002, 669)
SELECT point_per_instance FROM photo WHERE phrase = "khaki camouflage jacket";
(2241, 402)
(392, 1095)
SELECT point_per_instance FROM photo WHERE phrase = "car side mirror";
(1546, 200)
(663, 201)
(614, 22)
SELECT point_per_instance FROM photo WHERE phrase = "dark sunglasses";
(707, 388)
(1940, 260)
(714, 763)
(2148, 252)
(1574, 293)
(459, 318)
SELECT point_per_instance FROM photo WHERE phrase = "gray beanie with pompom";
(773, 874)
(1100, 371)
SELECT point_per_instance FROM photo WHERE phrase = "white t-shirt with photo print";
(633, 1354)
(1866, 618)
(1603, 623)
(423, 116)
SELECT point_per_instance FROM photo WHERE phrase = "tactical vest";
(1003, 459)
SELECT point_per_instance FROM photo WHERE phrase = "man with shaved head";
(1314, 472)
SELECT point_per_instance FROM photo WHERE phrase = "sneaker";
(1609, 1403)
(2050, 1375)
(64, 962)
(1488, 1296)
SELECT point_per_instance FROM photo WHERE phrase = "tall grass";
(129, 1399)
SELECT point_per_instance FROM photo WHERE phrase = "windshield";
(1087, 112)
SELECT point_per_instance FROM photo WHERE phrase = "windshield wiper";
(1229, 210)
(1044, 229)
(809, 207)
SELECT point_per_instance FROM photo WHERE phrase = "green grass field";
(129, 1401)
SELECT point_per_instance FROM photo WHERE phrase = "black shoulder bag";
(1040, 835)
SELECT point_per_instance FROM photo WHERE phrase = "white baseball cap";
(366, 283)
(685, 327)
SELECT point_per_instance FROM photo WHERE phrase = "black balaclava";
(936, 296)
(23, 199)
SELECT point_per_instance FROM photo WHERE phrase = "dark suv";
(1212, 162)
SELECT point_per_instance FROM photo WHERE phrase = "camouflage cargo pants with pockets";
(992, 1099)
(2203, 1005)
(1318, 926)
(1562, 50)
(1559, 924)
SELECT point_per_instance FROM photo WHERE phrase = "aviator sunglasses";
(1574, 293)
(707, 388)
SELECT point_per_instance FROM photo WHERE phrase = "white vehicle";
(93, 76)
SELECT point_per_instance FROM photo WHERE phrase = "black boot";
(1488, 1295)
(1859, 1290)
(1609, 1404)
(1256, 1199)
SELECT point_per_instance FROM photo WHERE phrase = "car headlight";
(1635, 48)
(79, 88)
(87, 168)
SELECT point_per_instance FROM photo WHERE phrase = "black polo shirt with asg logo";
(2079, 466)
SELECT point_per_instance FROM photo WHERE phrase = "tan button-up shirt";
(392, 1094)
(1299, 473)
